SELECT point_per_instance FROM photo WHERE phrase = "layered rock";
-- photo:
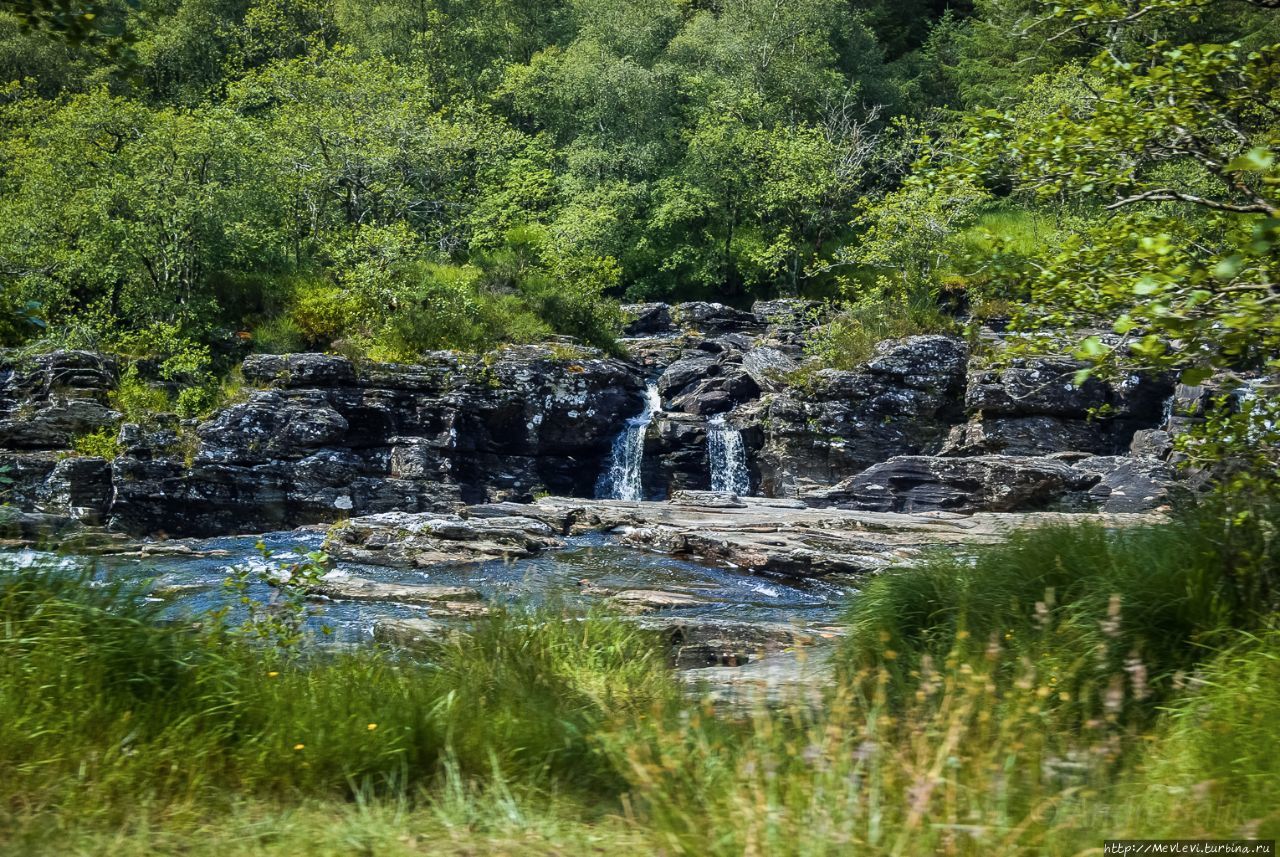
(845, 421)
(322, 441)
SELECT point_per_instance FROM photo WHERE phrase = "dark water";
(189, 585)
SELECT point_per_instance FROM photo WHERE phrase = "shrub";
(850, 337)
(137, 400)
(104, 443)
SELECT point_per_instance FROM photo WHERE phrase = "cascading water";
(728, 458)
(621, 480)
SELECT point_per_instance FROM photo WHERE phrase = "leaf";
(1147, 286)
(1124, 324)
(1196, 375)
(1259, 159)
(1228, 268)
(1092, 348)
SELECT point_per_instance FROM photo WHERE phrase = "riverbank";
(1120, 696)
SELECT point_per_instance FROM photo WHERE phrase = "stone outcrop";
(923, 483)
(404, 539)
(322, 440)
(921, 424)
(843, 422)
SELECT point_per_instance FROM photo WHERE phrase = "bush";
(849, 339)
(104, 443)
(137, 400)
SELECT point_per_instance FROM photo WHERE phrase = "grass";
(972, 714)
(849, 338)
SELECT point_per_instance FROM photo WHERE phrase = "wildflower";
(272, 674)
(299, 746)
(372, 726)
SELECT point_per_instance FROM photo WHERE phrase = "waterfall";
(728, 458)
(621, 479)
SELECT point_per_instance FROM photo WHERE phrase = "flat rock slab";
(406, 540)
(650, 600)
(756, 534)
(344, 587)
(785, 536)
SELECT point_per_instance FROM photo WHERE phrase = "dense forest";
(188, 179)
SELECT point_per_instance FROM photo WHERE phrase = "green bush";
(848, 339)
(104, 443)
(137, 400)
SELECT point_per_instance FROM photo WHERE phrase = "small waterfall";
(621, 479)
(728, 458)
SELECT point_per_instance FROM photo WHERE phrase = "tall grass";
(103, 709)
(1083, 602)
(1070, 686)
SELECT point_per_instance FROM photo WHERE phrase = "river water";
(190, 585)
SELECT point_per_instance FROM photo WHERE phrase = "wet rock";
(988, 483)
(418, 540)
(651, 600)
(344, 587)
(410, 633)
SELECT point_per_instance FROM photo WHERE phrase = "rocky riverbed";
(462, 481)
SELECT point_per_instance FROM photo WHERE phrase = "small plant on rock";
(281, 618)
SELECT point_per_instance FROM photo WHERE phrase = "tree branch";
(1170, 195)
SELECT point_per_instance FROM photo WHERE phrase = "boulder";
(714, 318)
(768, 367)
(647, 319)
(1033, 435)
(341, 586)
(1129, 484)
(988, 483)
(842, 422)
(418, 540)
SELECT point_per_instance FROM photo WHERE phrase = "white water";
(728, 458)
(622, 480)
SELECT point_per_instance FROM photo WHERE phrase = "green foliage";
(848, 339)
(1081, 600)
(280, 620)
(136, 400)
(104, 443)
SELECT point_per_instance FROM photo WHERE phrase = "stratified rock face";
(324, 440)
(846, 421)
(48, 400)
(1035, 407)
(318, 439)
(991, 483)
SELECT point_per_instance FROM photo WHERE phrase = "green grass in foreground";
(973, 715)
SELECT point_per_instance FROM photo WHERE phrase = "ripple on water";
(588, 564)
